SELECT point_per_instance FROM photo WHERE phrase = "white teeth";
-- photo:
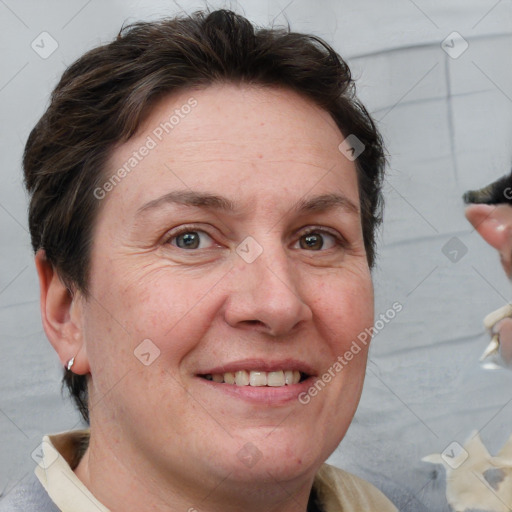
(257, 378)
(242, 378)
(275, 379)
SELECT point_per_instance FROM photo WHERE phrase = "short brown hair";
(104, 96)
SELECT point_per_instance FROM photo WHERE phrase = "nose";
(265, 296)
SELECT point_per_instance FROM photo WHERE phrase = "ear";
(494, 224)
(61, 313)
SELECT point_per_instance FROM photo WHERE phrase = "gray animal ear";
(498, 192)
(482, 195)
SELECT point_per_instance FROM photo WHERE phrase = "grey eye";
(191, 240)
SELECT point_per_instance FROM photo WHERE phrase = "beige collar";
(56, 475)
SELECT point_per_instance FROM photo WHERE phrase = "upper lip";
(264, 365)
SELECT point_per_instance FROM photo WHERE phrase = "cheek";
(138, 329)
(344, 307)
(150, 303)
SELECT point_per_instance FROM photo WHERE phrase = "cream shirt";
(338, 491)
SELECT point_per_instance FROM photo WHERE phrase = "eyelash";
(339, 241)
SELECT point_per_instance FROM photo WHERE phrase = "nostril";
(253, 322)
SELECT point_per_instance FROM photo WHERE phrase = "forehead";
(241, 140)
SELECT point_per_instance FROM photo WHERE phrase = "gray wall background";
(448, 127)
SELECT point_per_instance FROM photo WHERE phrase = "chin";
(272, 457)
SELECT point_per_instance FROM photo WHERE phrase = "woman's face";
(232, 243)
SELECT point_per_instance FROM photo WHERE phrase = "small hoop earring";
(70, 364)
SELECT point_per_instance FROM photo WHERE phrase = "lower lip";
(266, 395)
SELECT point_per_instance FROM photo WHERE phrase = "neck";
(124, 480)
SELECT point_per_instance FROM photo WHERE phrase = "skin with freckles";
(165, 267)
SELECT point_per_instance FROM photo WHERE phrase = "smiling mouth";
(258, 378)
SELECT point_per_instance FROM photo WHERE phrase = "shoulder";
(28, 496)
(339, 490)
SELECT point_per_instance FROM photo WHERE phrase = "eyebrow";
(190, 198)
(324, 203)
(209, 201)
